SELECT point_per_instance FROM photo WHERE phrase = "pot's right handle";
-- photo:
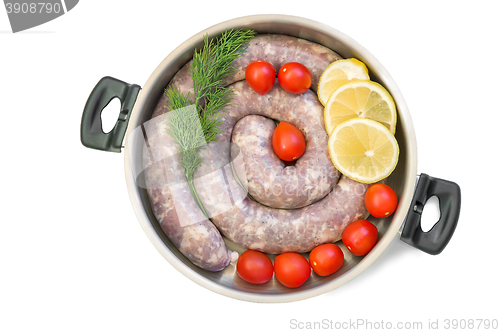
(436, 239)
(107, 88)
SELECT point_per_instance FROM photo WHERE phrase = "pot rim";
(404, 201)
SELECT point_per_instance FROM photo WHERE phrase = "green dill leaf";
(192, 125)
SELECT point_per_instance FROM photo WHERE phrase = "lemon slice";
(338, 73)
(363, 150)
(363, 99)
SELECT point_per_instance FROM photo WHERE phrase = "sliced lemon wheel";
(338, 73)
(363, 150)
(360, 99)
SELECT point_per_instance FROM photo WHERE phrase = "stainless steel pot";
(138, 105)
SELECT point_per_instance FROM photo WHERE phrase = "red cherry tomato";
(260, 76)
(254, 267)
(326, 259)
(288, 142)
(380, 200)
(291, 269)
(360, 237)
(294, 78)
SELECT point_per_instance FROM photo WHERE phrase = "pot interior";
(227, 282)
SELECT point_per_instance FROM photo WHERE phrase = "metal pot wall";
(413, 192)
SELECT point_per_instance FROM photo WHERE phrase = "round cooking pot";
(137, 106)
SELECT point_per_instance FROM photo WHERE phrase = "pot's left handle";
(92, 135)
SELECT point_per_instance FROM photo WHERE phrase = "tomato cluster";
(293, 77)
(291, 269)
(361, 236)
(288, 141)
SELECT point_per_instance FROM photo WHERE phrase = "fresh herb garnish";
(194, 125)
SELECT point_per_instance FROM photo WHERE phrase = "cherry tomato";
(380, 200)
(288, 142)
(360, 237)
(254, 267)
(260, 76)
(326, 259)
(291, 269)
(294, 77)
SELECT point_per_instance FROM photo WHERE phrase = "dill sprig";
(192, 125)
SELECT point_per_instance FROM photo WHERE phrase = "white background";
(73, 257)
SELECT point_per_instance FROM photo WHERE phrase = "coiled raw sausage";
(247, 222)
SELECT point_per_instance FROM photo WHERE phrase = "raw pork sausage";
(247, 222)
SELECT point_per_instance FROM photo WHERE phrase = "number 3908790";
(33, 7)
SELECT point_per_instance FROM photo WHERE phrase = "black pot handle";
(107, 88)
(436, 239)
